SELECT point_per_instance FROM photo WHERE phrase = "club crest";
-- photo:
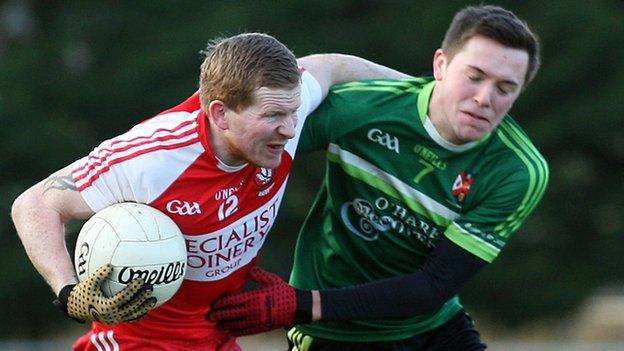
(461, 186)
(264, 181)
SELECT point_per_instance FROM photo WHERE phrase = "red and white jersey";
(224, 213)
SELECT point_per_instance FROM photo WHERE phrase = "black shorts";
(458, 334)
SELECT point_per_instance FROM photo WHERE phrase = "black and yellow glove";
(86, 302)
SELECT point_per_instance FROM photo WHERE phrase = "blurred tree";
(75, 73)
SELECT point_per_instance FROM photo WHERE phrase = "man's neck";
(221, 149)
(435, 111)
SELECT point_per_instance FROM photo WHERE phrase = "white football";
(140, 242)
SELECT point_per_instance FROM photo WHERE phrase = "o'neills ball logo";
(163, 275)
(264, 181)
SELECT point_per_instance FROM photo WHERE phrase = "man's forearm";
(447, 269)
(41, 231)
(331, 69)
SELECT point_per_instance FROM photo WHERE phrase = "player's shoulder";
(383, 86)
(172, 123)
(518, 155)
(147, 145)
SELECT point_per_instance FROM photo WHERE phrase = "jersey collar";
(423, 107)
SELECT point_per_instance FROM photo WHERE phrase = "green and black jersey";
(393, 187)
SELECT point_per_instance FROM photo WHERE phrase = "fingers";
(236, 325)
(128, 293)
(231, 301)
(99, 276)
(228, 313)
(141, 310)
(143, 294)
(264, 277)
(246, 331)
(136, 308)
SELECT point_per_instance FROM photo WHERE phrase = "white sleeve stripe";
(94, 160)
(158, 131)
(106, 148)
(102, 338)
(101, 153)
(95, 342)
(111, 338)
(85, 177)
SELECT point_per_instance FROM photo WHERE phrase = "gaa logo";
(82, 258)
(384, 139)
(183, 208)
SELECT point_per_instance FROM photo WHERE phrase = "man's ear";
(216, 113)
(439, 64)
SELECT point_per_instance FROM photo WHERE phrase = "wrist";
(303, 311)
(57, 289)
(62, 298)
(316, 306)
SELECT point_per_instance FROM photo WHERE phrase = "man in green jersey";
(426, 180)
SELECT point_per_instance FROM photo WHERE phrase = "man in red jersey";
(225, 152)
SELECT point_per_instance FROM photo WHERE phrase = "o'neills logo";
(163, 275)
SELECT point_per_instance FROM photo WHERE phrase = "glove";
(274, 305)
(85, 301)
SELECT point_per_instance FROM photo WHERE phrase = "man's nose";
(287, 128)
(483, 96)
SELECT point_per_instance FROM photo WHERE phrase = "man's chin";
(472, 135)
(270, 163)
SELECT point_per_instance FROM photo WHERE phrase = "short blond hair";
(235, 67)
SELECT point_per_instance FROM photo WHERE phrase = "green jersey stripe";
(472, 243)
(388, 89)
(532, 151)
(396, 87)
(536, 157)
(536, 172)
(409, 83)
(423, 100)
(389, 184)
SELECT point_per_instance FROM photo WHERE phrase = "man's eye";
(504, 91)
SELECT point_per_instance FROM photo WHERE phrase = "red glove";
(274, 305)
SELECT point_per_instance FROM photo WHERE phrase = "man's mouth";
(276, 147)
(476, 116)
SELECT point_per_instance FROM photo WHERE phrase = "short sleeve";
(139, 165)
(485, 229)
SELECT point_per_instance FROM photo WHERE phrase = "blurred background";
(73, 73)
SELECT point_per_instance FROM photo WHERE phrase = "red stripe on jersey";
(105, 152)
(180, 126)
(95, 176)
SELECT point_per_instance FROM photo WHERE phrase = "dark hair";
(495, 23)
(235, 67)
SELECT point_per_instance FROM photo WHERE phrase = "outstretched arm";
(331, 69)
(276, 304)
